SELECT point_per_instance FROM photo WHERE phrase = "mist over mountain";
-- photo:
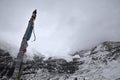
(61, 27)
(9, 47)
(75, 39)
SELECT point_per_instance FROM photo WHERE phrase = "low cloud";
(61, 26)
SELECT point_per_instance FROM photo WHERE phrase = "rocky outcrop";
(6, 64)
(53, 66)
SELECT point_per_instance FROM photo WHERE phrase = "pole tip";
(35, 11)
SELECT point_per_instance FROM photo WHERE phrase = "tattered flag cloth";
(19, 61)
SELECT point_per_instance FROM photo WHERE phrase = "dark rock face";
(61, 66)
(6, 64)
(53, 66)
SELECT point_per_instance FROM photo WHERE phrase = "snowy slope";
(100, 63)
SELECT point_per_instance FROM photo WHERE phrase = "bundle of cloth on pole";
(23, 48)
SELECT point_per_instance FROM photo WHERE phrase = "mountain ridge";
(99, 63)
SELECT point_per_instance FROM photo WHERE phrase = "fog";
(61, 26)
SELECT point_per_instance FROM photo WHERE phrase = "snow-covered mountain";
(99, 63)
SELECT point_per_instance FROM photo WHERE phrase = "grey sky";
(61, 26)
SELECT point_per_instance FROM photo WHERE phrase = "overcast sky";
(61, 26)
